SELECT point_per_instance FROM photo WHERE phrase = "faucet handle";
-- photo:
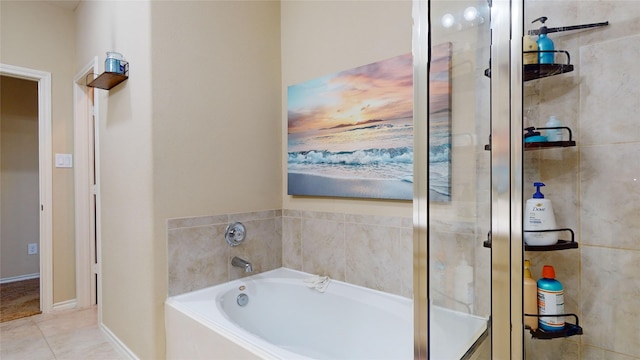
(235, 234)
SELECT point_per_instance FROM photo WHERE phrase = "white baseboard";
(119, 345)
(65, 305)
(19, 278)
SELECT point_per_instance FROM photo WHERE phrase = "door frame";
(507, 321)
(86, 210)
(45, 174)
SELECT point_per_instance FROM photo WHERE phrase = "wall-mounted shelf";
(539, 71)
(560, 245)
(568, 330)
(528, 146)
(108, 80)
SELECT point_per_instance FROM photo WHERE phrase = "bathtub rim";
(218, 322)
(262, 348)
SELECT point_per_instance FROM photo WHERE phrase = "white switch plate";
(64, 160)
(32, 248)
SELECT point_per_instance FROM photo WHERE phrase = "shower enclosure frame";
(507, 30)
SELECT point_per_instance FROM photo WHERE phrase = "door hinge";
(94, 189)
(94, 268)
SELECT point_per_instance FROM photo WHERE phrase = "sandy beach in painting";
(316, 185)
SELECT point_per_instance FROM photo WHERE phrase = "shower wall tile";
(371, 252)
(609, 195)
(448, 252)
(196, 260)
(594, 353)
(255, 215)
(406, 262)
(556, 349)
(291, 242)
(609, 91)
(198, 255)
(367, 250)
(262, 246)
(323, 244)
(559, 172)
(610, 299)
(196, 221)
(621, 14)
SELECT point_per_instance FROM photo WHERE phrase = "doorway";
(38, 206)
(86, 188)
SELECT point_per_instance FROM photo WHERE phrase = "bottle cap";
(538, 194)
(548, 272)
(527, 264)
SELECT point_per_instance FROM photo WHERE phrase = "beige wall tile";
(609, 91)
(373, 257)
(594, 353)
(292, 243)
(323, 246)
(196, 221)
(611, 299)
(261, 247)
(556, 349)
(609, 195)
(197, 258)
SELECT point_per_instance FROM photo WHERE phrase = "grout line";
(37, 324)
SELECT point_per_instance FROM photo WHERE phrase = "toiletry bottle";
(544, 44)
(539, 216)
(529, 44)
(530, 289)
(533, 136)
(553, 134)
(550, 300)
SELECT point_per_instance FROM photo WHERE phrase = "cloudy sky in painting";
(378, 91)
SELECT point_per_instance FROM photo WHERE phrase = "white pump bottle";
(539, 216)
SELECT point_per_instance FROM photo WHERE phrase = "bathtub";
(284, 319)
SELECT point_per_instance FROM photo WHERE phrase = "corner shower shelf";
(539, 71)
(560, 245)
(108, 80)
(568, 330)
(528, 146)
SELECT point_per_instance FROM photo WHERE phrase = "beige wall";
(129, 253)
(207, 141)
(19, 176)
(324, 37)
(40, 36)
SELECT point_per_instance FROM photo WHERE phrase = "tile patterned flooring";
(69, 334)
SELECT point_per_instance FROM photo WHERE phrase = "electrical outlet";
(32, 248)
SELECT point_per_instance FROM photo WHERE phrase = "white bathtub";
(283, 319)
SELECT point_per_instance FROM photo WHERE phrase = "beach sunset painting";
(350, 134)
(440, 123)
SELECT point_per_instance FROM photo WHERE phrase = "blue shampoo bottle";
(544, 44)
(550, 300)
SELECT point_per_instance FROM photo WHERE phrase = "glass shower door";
(453, 207)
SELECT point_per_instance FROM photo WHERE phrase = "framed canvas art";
(350, 134)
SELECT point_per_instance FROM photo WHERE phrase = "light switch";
(64, 160)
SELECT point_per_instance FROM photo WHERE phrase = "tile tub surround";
(371, 251)
(366, 250)
(200, 257)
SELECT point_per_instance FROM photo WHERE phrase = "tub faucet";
(237, 262)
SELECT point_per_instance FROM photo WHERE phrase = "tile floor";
(71, 334)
